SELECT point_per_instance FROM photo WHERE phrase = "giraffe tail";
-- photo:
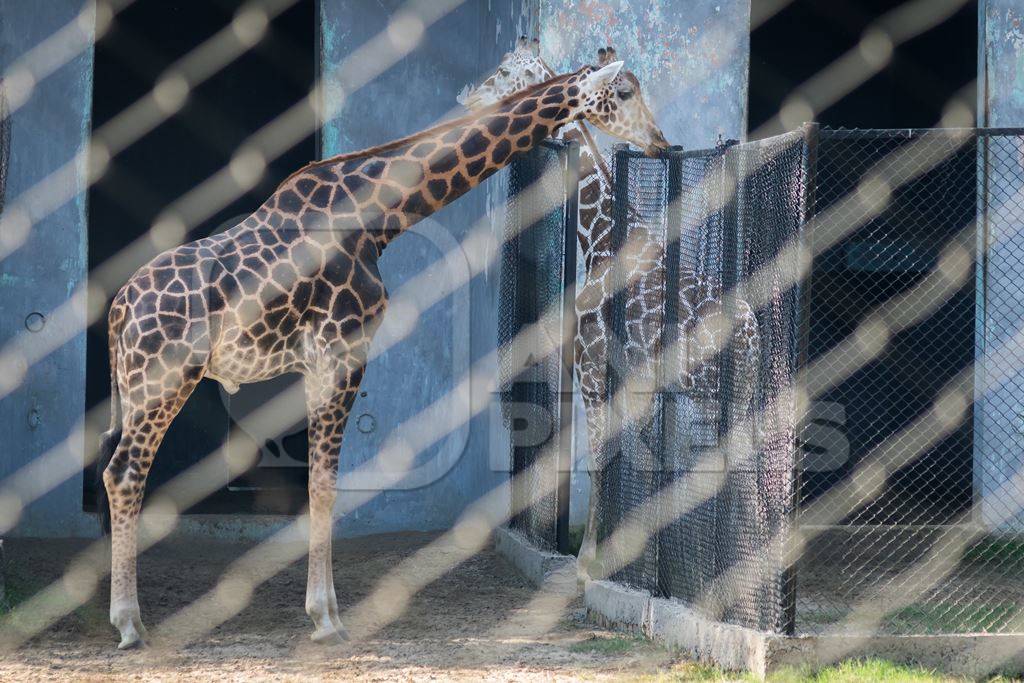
(112, 437)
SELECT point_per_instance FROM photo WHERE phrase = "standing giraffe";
(295, 288)
(700, 300)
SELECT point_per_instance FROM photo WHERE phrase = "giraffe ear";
(535, 47)
(603, 76)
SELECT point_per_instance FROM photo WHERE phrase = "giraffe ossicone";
(295, 288)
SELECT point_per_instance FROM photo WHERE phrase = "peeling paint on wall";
(691, 57)
(1002, 52)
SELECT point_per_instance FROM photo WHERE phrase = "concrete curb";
(737, 648)
(553, 572)
(677, 626)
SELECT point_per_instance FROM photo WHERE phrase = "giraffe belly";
(233, 367)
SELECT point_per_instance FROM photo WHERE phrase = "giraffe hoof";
(131, 642)
(330, 636)
(129, 625)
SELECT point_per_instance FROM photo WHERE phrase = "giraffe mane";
(433, 131)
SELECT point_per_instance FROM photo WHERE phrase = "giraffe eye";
(503, 71)
(625, 94)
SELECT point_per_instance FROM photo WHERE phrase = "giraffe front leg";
(332, 597)
(328, 412)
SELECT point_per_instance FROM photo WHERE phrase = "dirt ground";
(476, 621)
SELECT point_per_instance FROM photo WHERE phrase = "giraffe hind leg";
(125, 481)
(329, 398)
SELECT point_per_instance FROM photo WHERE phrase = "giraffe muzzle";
(658, 143)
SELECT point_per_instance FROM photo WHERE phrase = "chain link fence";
(536, 316)
(823, 432)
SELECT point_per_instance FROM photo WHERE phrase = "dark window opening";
(911, 91)
(167, 162)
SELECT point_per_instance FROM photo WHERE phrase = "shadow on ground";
(478, 620)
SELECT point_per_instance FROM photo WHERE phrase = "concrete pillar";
(692, 60)
(42, 283)
(999, 380)
(413, 384)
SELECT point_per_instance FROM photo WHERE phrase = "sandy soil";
(476, 621)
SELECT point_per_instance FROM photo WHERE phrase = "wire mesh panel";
(533, 334)
(693, 466)
(770, 215)
(903, 485)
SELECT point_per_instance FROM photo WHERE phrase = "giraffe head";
(616, 104)
(610, 98)
(518, 70)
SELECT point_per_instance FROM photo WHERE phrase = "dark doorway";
(175, 157)
(912, 91)
(890, 254)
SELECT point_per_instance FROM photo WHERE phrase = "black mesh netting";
(705, 507)
(530, 330)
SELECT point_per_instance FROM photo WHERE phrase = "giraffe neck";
(387, 189)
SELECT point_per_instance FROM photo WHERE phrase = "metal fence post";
(794, 540)
(571, 154)
(670, 328)
(612, 448)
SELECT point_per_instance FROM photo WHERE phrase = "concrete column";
(692, 60)
(412, 388)
(42, 283)
(999, 380)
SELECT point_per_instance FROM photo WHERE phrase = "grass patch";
(21, 585)
(576, 539)
(856, 671)
(1002, 553)
(613, 645)
(975, 618)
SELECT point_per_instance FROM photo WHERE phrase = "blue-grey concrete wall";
(999, 378)
(412, 382)
(692, 58)
(44, 413)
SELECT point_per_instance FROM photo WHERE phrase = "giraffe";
(295, 288)
(700, 299)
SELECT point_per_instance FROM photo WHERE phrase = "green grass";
(614, 645)
(21, 585)
(930, 618)
(866, 670)
(1000, 553)
(871, 671)
(576, 539)
(853, 671)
